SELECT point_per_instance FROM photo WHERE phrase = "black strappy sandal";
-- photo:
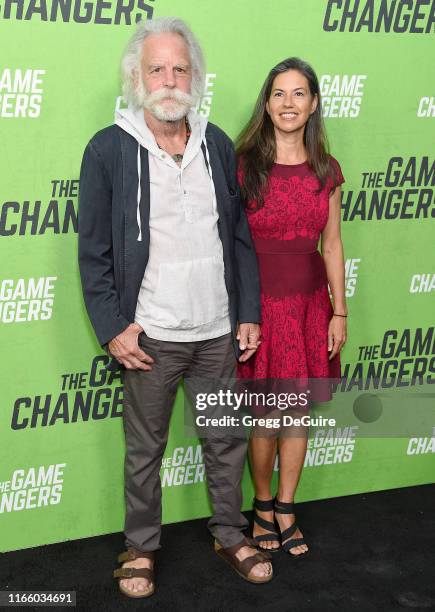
(286, 543)
(272, 536)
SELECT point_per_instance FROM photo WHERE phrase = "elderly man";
(170, 282)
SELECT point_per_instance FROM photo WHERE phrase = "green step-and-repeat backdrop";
(61, 436)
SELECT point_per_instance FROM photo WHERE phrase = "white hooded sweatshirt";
(183, 297)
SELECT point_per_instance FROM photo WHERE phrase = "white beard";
(180, 104)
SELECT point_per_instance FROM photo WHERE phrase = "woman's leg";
(262, 454)
(292, 449)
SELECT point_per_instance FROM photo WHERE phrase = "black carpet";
(368, 552)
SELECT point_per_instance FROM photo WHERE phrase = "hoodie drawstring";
(210, 173)
(139, 193)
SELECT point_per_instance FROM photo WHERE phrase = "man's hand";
(125, 349)
(248, 335)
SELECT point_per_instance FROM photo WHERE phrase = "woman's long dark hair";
(256, 144)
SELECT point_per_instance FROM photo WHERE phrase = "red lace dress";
(295, 303)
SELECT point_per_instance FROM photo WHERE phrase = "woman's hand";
(337, 334)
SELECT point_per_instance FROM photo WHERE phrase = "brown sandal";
(135, 572)
(244, 567)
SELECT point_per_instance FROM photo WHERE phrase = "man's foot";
(257, 530)
(137, 585)
(249, 562)
(285, 521)
(260, 570)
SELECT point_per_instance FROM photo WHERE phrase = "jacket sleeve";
(246, 267)
(95, 248)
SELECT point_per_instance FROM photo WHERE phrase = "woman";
(291, 187)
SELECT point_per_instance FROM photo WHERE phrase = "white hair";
(131, 59)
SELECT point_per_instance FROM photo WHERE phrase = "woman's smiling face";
(290, 103)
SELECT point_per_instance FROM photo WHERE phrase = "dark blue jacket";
(112, 261)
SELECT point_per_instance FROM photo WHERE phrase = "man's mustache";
(169, 94)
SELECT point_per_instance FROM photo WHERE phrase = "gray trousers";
(148, 401)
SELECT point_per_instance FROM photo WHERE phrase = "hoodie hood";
(133, 122)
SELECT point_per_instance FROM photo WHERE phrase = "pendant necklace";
(178, 157)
